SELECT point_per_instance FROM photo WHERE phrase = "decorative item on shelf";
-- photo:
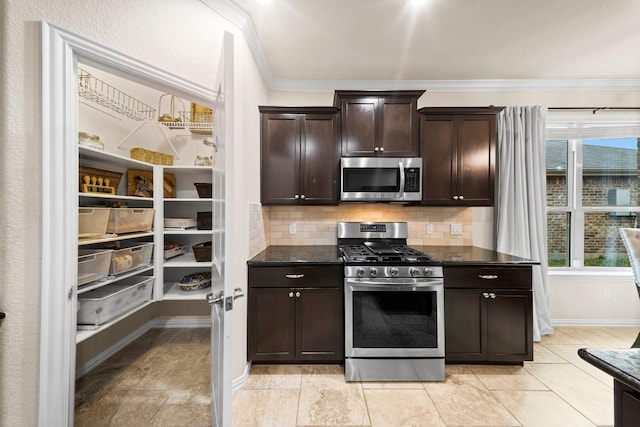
(200, 119)
(195, 281)
(140, 183)
(100, 181)
(203, 161)
(202, 252)
(204, 189)
(172, 250)
(204, 220)
(91, 141)
(153, 157)
(170, 119)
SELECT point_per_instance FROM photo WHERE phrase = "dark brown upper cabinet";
(379, 123)
(300, 156)
(458, 149)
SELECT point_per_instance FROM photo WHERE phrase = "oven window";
(358, 180)
(394, 320)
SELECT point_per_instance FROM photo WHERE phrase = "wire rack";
(198, 122)
(95, 90)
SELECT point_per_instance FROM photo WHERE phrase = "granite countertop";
(328, 254)
(622, 364)
(318, 254)
(471, 255)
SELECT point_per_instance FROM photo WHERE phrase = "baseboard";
(595, 322)
(240, 382)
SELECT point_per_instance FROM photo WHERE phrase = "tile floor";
(162, 380)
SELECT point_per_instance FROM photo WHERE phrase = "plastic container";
(130, 256)
(104, 304)
(93, 264)
(174, 250)
(92, 222)
(130, 220)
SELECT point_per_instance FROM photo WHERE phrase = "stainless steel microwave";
(381, 179)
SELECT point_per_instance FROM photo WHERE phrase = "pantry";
(137, 235)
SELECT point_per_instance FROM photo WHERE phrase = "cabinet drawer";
(488, 277)
(328, 276)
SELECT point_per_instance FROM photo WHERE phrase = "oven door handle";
(391, 286)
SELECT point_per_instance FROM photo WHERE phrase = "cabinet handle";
(297, 294)
(296, 197)
(303, 197)
(290, 294)
(294, 276)
(485, 295)
(488, 276)
(455, 197)
(376, 149)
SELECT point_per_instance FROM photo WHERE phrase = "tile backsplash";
(316, 225)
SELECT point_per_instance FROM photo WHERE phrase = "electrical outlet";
(293, 229)
(456, 228)
(429, 228)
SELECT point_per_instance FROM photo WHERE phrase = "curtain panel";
(520, 208)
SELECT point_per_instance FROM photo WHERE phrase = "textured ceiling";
(391, 40)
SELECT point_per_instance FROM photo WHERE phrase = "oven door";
(400, 317)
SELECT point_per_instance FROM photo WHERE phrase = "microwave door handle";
(401, 177)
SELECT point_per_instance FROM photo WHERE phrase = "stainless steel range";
(394, 305)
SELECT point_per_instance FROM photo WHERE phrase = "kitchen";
(21, 69)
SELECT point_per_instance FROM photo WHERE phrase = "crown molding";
(237, 16)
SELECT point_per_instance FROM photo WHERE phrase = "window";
(592, 191)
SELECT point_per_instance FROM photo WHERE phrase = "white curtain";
(520, 209)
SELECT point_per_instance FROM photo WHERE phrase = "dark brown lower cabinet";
(488, 314)
(295, 315)
(626, 402)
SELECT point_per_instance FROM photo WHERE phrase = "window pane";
(558, 226)
(557, 173)
(602, 244)
(610, 172)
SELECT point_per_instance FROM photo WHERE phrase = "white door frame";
(60, 52)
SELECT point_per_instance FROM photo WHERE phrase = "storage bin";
(130, 256)
(180, 223)
(104, 304)
(153, 157)
(172, 250)
(205, 220)
(92, 222)
(202, 252)
(93, 264)
(204, 189)
(130, 220)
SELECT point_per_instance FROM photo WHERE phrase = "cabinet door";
(319, 324)
(280, 158)
(465, 325)
(509, 326)
(320, 162)
(476, 159)
(399, 127)
(359, 133)
(271, 324)
(439, 136)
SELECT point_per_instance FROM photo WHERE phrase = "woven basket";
(203, 252)
(204, 189)
(153, 157)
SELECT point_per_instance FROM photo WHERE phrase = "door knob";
(215, 300)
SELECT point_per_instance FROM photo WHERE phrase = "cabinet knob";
(290, 294)
(303, 197)
(296, 197)
(455, 197)
(461, 197)
(376, 149)
(492, 295)
(298, 295)
(382, 149)
(485, 295)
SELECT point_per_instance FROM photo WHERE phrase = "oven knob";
(413, 271)
(428, 271)
(359, 271)
(394, 271)
(373, 272)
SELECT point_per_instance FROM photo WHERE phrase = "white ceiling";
(447, 43)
